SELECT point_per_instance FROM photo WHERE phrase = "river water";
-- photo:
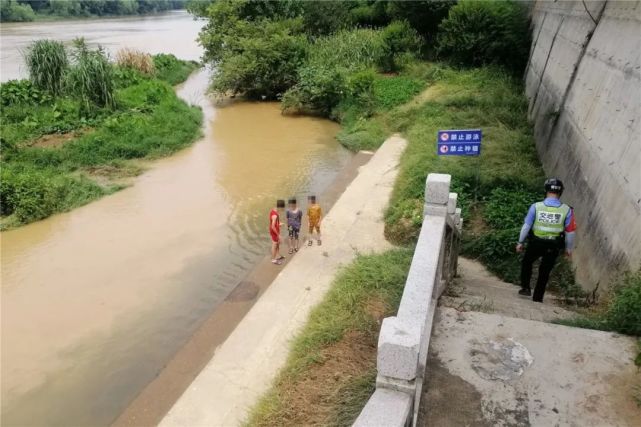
(97, 300)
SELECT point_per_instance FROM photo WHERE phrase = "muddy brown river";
(97, 300)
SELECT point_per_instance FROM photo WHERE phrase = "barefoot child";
(294, 217)
(274, 231)
(314, 214)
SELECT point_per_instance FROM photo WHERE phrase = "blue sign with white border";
(461, 142)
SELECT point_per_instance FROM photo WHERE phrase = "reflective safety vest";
(549, 221)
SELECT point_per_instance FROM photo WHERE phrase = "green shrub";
(171, 69)
(260, 60)
(423, 15)
(321, 18)
(91, 78)
(47, 63)
(32, 194)
(624, 311)
(21, 92)
(330, 73)
(505, 208)
(12, 11)
(484, 32)
(319, 90)
(401, 42)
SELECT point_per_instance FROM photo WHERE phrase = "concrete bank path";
(244, 366)
(495, 361)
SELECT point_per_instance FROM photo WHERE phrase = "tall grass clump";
(47, 63)
(91, 78)
(136, 60)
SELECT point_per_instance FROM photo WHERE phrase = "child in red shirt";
(274, 231)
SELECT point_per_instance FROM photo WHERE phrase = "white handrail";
(403, 341)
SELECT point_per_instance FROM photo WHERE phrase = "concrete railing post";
(437, 194)
(403, 342)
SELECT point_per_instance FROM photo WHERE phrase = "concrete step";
(479, 290)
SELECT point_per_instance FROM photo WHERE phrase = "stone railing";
(404, 339)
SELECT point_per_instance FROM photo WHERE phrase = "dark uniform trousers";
(548, 251)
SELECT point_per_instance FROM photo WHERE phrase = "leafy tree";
(326, 17)
(259, 60)
(424, 16)
(370, 13)
(35, 5)
(66, 7)
(230, 18)
(483, 32)
(399, 40)
(12, 11)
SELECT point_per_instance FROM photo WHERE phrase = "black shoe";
(525, 291)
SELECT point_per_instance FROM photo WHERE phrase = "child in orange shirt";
(315, 214)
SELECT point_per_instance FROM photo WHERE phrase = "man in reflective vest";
(549, 226)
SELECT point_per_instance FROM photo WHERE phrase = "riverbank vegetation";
(30, 10)
(70, 131)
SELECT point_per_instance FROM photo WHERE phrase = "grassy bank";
(57, 155)
(329, 374)
(495, 189)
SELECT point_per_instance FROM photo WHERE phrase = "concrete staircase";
(494, 361)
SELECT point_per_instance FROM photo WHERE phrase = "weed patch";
(618, 312)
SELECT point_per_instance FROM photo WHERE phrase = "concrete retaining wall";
(584, 92)
(404, 339)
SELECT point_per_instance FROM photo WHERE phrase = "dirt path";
(495, 362)
(243, 367)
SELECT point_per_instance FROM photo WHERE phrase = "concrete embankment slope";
(244, 366)
(501, 368)
(584, 89)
